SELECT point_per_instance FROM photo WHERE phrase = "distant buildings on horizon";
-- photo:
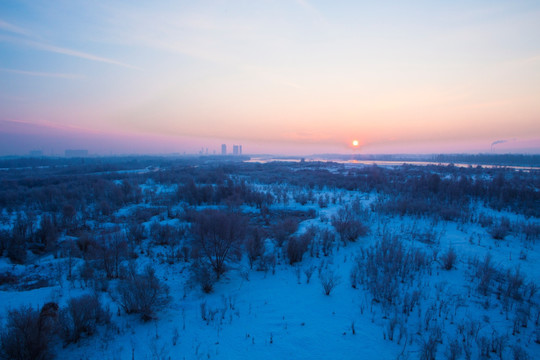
(78, 153)
(67, 153)
(237, 149)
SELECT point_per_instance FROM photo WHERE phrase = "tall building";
(223, 149)
(235, 150)
(240, 150)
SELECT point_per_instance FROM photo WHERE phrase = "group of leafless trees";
(30, 333)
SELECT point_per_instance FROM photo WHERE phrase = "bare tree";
(48, 232)
(255, 245)
(217, 237)
(112, 251)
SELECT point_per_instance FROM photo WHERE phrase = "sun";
(355, 143)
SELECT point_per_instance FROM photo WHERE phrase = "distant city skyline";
(292, 77)
(22, 139)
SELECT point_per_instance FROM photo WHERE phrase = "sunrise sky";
(281, 76)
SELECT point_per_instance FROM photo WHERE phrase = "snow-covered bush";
(134, 232)
(142, 293)
(301, 197)
(387, 264)
(329, 280)
(81, 316)
(254, 245)
(28, 333)
(8, 278)
(512, 285)
(485, 220)
(4, 240)
(501, 229)
(268, 261)
(48, 233)
(203, 275)
(309, 272)
(395, 324)
(453, 350)
(485, 273)
(448, 259)
(297, 246)
(327, 239)
(348, 226)
(428, 349)
(284, 228)
(531, 230)
(16, 248)
(518, 353)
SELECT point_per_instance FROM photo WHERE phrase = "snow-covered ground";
(278, 314)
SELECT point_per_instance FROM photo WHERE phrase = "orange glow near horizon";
(333, 79)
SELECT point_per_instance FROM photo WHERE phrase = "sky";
(277, 76)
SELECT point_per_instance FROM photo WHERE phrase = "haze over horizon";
(280, 77)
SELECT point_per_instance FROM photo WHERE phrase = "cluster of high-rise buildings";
(237, 149)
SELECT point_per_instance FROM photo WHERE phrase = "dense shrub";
(142, 293)
(448, 259)
(48, 233)
(28, 333)
(134, 232)
(296, 247)
(387, 264)
(16, 250)
(348, 226)
(485, 273)
(254, 245)
(8, 278)
(203, 275)
(283, 229)
(81, 316)
(327, 239)
(500, 230)
(531, 230)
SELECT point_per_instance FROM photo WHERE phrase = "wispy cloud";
(43, 74)
(79, 54)
(13, 28)
(65, 51)
(39, 125)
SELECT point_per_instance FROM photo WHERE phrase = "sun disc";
(355, 143)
